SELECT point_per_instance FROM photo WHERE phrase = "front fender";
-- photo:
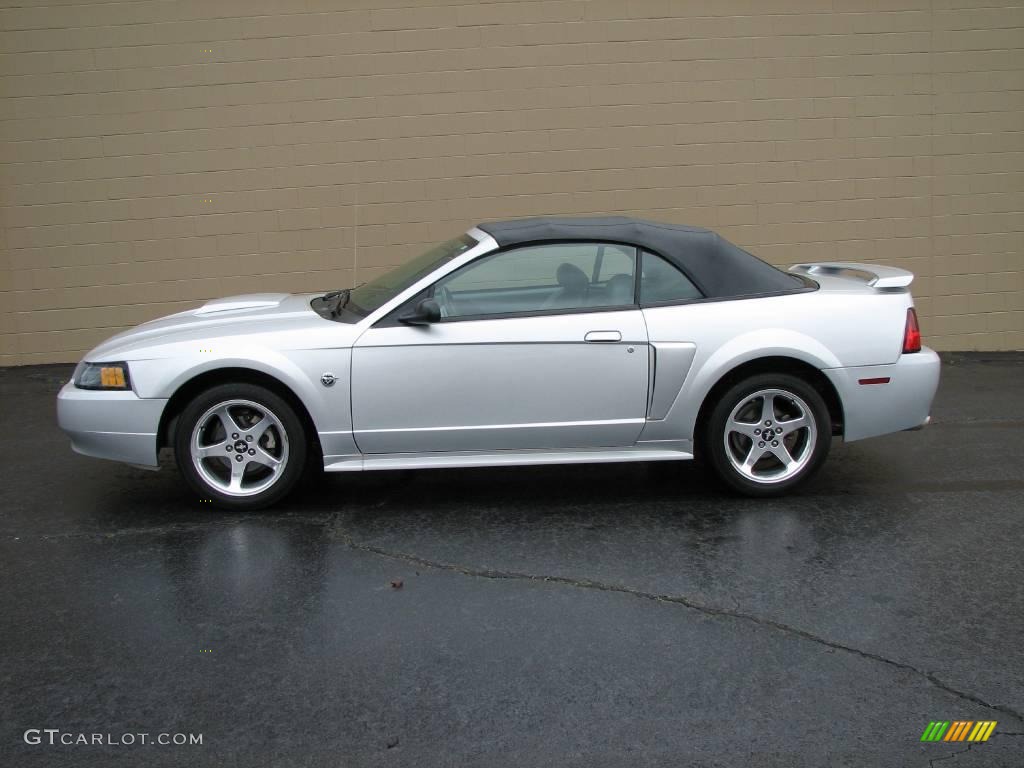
(299, 370)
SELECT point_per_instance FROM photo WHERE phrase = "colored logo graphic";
(958, 730)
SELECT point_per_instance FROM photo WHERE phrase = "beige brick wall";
(157, 153)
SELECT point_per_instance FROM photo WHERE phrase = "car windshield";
(369, 296)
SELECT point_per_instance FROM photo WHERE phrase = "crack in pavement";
(950, 756)
(488, 573)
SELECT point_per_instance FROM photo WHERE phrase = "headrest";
(572, 278)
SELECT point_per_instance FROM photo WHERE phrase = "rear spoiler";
(871, 274)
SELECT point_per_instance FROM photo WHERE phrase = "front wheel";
(768, 434)
(240, 445)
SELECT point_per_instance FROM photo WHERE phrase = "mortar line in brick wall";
(329, 78)
(393, 51)
(401, 201)
(416, 6)
(494, 68)
(428, 115)
(887, 158)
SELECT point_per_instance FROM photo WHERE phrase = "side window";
(540, 278)
(613, 260)
(661, 281)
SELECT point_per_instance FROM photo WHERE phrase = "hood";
(269, 314)
(248, 302)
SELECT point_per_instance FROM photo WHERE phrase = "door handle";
(603, 336)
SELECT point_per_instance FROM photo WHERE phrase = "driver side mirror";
(426, 312)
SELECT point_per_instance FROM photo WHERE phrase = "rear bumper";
(879, 399)
(110, 425)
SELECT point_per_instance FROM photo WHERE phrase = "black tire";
(285, 440)
(768, 476)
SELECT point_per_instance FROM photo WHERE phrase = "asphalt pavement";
(605, 615)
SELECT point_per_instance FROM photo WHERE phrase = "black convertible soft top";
(716, 266)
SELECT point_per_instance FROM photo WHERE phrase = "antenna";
(355, 236)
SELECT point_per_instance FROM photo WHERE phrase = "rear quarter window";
(661, 281)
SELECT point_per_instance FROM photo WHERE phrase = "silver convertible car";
(538, 341)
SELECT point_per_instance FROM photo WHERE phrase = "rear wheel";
(240, 445)
(768, 434)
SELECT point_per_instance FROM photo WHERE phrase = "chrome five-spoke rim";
(770, 436)
(239, 447)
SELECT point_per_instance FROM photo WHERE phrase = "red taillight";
(912, 334)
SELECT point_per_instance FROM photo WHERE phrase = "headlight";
(102, 376)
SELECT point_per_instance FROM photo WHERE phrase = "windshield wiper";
(335, 301)
(338, 300)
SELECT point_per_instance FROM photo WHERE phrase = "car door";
(537, 347)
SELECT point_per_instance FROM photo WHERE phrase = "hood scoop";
(247, 302)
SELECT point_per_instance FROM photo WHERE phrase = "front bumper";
(110, 425)
(891, 398)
